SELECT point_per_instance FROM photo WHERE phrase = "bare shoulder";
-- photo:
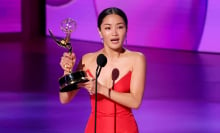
(90, 56)
(139, 66)
(136, 56)
(89, 60)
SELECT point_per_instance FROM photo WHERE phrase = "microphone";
(101, 62)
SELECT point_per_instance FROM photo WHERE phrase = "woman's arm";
(66, 97)
(67, 62)
(137, 85)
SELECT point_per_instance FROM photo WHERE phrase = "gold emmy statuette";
(68, 82)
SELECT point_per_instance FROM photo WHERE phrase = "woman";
(121, 82)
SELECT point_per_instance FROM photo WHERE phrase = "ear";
(100, 34)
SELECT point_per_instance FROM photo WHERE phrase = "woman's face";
(113, 31)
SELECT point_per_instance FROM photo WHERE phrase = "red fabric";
(112, 117)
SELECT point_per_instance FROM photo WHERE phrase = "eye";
(121, 27)
(107, 28)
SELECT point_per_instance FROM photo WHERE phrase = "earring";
(125, 41)
(102, 40)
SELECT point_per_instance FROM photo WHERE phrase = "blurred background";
(173, 24)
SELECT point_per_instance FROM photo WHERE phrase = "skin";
(113, 31)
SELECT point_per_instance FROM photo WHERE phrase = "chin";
(118, 48)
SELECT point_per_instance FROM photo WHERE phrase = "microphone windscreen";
(101, 60)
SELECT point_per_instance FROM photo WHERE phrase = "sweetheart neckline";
(115, 82)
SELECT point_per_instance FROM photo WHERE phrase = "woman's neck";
(113, 54)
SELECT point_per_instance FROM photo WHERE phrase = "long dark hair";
(109, 11)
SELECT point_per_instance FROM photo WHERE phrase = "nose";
(115, 31)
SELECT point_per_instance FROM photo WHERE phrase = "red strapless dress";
(112, 117)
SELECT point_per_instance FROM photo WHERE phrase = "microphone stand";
(98, 70)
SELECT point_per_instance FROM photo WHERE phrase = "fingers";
(67, 61)
(89, 86)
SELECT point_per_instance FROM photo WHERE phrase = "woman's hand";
(67, 62)
(89, 85)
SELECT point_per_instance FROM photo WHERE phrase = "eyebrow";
(116, 24)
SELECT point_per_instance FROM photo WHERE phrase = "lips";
(115, 40)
